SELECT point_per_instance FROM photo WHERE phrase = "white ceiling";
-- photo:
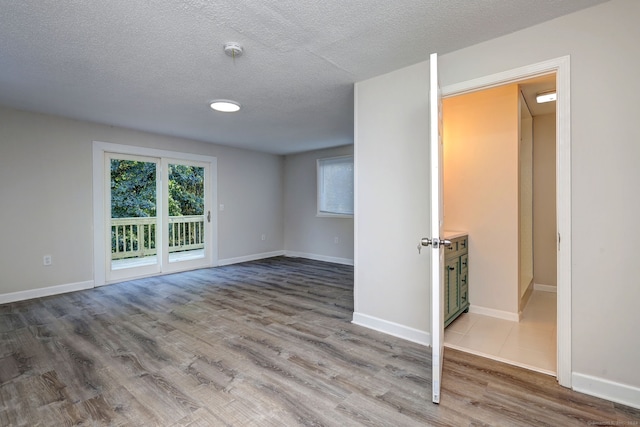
(155, 65)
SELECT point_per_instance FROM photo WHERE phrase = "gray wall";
(602, 43)
(46, 197)
(305, 233)
(392, 203)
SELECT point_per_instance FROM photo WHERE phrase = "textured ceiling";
(154, 65)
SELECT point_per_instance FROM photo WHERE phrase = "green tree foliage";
(186, 190)
(133, 189)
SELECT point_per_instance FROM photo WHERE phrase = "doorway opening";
(561, 236)
(500, 188)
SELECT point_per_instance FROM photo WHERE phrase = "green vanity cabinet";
(456, 277)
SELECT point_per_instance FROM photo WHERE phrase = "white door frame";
(99, 231)
(561, 67)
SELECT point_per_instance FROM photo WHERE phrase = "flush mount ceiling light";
(225, 105)
(548, 96)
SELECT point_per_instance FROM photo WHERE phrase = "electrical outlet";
(336, 240)
(264, 237)
(221, 207)
(46, 260)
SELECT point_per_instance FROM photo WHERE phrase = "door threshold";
(502, 359)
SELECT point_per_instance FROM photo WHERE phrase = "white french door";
(156, 212)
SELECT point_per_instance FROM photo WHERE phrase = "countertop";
(452, 234)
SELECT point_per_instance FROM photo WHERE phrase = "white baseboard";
(247, 258)
(505, 315)
(391, 328)
(335, 260)
(45, 292)
(544, 288)
(605, 389)
(72, 287)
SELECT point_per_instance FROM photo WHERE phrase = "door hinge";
(208, 216)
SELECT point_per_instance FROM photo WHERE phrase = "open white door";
(436, 229)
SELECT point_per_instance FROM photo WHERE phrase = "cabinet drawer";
(464, 297)
(464, 262)
(463, 243)
(458, 247)
(463, 279)
(451, 249)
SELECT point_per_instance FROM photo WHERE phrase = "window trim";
(319, 162)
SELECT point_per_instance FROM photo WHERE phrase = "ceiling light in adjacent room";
(543, 97)
(225, 105)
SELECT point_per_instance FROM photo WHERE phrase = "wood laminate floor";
(265, 343)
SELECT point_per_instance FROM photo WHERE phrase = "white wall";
(602, 43)
(46, 197)
(305, 233)
(392, 203)
(481, 192)
(544, 200)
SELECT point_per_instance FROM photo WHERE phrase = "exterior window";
(335, 186)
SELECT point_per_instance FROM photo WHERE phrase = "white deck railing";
(136, 237)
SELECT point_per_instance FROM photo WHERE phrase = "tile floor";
(530, 343)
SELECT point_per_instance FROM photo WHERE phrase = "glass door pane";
(187, 222)
(133, 220)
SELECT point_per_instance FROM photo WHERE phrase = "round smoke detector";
(233, 49)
